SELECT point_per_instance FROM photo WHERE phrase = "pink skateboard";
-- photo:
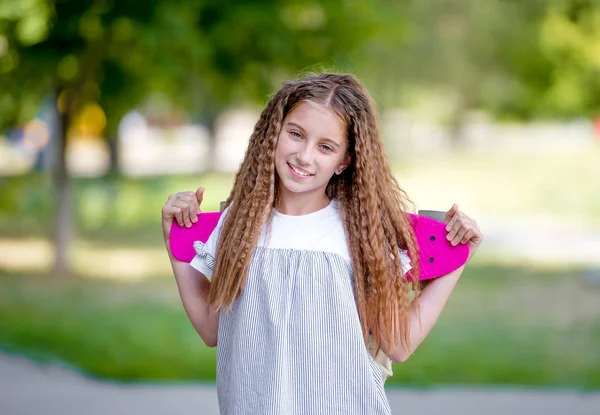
(437, 255)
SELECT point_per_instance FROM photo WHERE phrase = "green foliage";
(514, 58)
(203, 55)
(570, 38)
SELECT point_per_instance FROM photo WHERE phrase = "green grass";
(113, 330)
(502, 326)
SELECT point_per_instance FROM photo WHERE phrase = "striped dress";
(293, 342)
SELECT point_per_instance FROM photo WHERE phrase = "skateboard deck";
(437, 255)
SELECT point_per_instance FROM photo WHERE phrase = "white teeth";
(298, 172)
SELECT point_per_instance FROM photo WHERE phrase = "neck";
(297, 204)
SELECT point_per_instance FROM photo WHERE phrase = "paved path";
(27, 388)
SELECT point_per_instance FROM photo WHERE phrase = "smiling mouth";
(298, 171)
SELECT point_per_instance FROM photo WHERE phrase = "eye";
(327, 148)
(295, 134)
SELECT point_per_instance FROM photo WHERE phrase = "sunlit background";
(107, 107)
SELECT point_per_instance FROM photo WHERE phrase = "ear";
(344, 165)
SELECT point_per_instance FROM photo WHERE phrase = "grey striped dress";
(293, 342)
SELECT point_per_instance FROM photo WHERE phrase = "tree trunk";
(467, 93)
(113, 144)
(211, 159)
(457, 123)
(63, 202)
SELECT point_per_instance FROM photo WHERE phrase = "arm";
(193, 286)
(425, 312)
(194, 289)
(431, 302)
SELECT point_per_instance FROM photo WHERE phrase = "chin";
(294, 187)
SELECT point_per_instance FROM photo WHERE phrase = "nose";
(305, 156)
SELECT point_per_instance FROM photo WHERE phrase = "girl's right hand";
(184, 207)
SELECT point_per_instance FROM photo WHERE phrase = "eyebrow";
(329, 140)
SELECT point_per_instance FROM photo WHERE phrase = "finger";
(459, 235)
(194, 214)
(477, 236)
(167, 215)
(451, 213)
(184, 212)
(200, 195)
(185, 197)
(189, 198)
(191, 208)
(454, 224)
(468, 236)
(177, 214)
(192, 201)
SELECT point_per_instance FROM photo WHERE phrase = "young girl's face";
(311, 148)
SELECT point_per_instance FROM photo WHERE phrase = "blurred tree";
(237, 52)
(466, 52)
(76, 52)
(203, 54)
(570, 41)
(516, 59)
(547, 63)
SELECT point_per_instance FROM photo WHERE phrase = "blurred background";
(107, 107)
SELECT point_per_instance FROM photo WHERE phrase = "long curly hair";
(372, 204)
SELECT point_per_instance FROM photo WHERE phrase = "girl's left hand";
(462, 229)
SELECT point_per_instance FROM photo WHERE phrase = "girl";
(309, 260)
